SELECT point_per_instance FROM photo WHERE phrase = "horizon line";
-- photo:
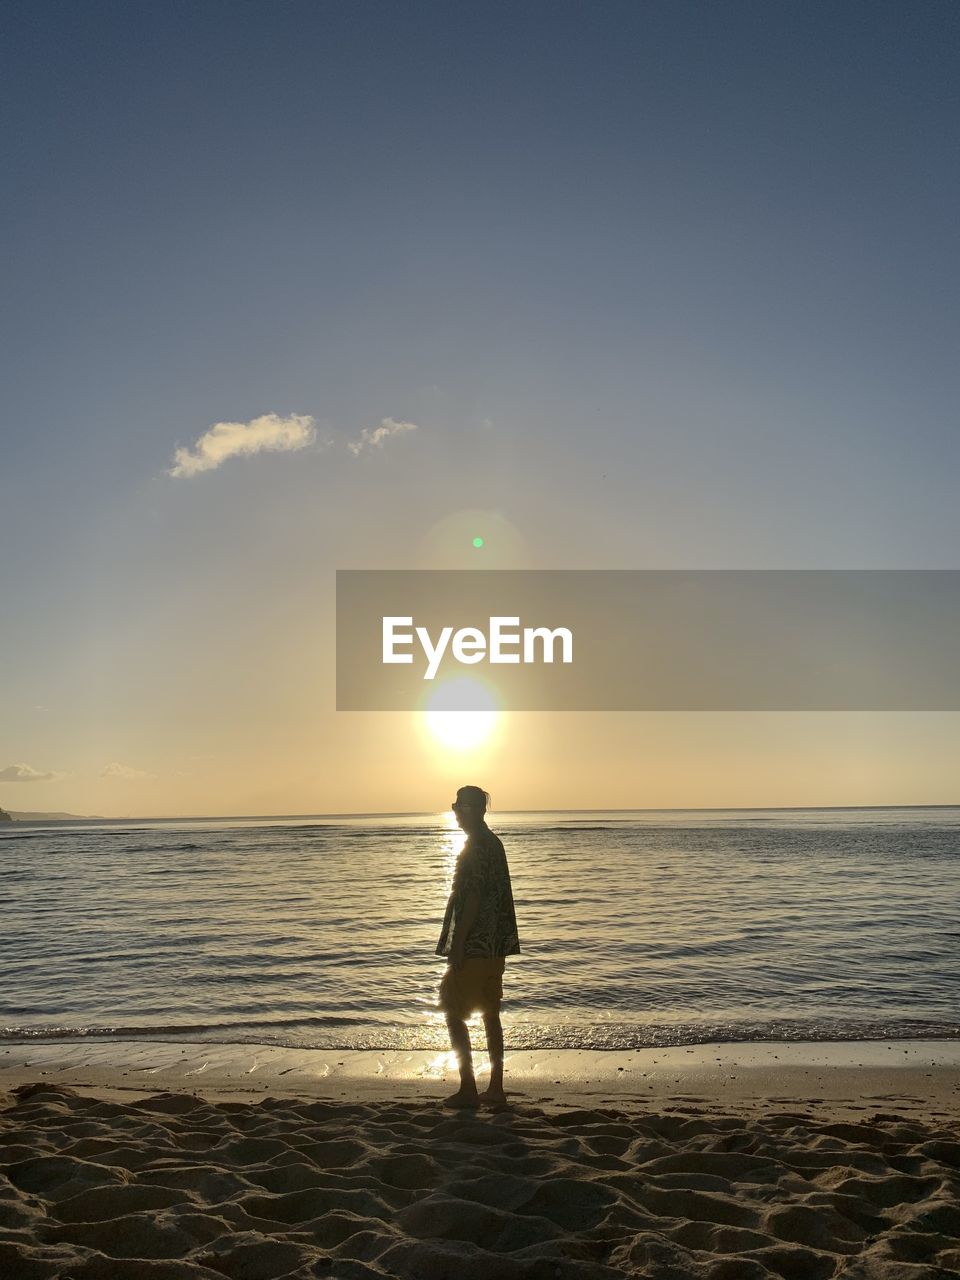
(424, 813)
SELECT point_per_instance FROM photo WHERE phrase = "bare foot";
(463, 1098)
(493, 1097)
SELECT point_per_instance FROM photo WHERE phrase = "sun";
(461, 730)
(452, 726)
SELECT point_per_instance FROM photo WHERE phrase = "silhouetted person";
(479, 930)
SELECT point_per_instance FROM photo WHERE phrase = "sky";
(292, 288)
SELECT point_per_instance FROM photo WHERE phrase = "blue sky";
(662, 284)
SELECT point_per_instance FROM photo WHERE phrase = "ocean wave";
(347, 1034)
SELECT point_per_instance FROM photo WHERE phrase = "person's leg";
(493, 994)
(466, 1095)
(494, 1029)
(454, 1001)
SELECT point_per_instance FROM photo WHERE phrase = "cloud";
(117, 770)
(24, 773)
(373, 439)
(224, 440)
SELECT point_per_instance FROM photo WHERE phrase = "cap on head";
(475, 797)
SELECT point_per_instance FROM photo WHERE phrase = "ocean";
(637, 928)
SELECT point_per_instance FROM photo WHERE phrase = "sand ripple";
(174, 1186)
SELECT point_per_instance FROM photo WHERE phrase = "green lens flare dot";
(478, 543)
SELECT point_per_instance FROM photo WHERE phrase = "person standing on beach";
(479, 931)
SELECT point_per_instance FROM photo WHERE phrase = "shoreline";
(922, 1076)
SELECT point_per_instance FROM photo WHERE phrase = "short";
(477, 987)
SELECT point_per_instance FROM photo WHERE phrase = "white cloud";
(374, 438)
(25, 773)
(117, 770)
(234, 439)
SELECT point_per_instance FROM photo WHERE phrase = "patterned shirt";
(482, 866)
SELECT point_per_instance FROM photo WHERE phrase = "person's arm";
(471, 909)
(474, 885)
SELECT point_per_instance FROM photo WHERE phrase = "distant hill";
(43, 817)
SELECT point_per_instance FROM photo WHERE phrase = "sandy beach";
(730, 1162)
